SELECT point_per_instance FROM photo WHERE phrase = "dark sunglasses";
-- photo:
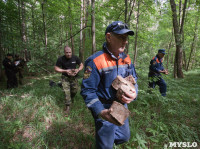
(123, 26)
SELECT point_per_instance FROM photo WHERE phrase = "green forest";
(32, 115)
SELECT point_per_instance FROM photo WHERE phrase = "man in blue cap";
(156, 68)
(100, 70)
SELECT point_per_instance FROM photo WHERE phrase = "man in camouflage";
(67, 65)
(70, 87)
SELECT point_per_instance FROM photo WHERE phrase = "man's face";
(118, 43)
(68, 52)
(9, 57)
(161, 55)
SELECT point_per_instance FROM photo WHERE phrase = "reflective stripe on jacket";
(104, 69)
(155, 66)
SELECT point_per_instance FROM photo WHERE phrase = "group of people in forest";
(100, 69)
(13, 70)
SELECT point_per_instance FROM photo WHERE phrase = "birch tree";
(93, 27)
(178, 31)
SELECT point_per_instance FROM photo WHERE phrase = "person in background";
(156, 68)
(10, 70)
(67, 65)
(100, 70)
(19, 62)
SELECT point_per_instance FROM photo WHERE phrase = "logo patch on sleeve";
(87, 72)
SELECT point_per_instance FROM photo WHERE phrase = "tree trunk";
(81, 30)
(12, 39)
(178, 56)
(44, 25)
(132, 4)
(67, 44)
(183, 17)
(33, 24)
(169, 47)
(179, 14)
(126, 10)
(1, 56)
(182, 32)
(61, 32)
(24, 38)
(136, 34)
(125, 21)
(172, 57)
(93, 27)
(86, 12)
(61, 40)
(71, 30)
(19, 22)
(193, 42)
(184, 61)
(128, 15)
(72, 39)
(194, 57)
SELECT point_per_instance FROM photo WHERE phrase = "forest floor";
(32, 115)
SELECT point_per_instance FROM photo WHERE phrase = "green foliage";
(32, 115)
(159, 120)
(34, 118)
(154, 29)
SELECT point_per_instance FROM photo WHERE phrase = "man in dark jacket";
(155, 69)
(10, 70)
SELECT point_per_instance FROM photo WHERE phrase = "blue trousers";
(161, 83)
(107, 133)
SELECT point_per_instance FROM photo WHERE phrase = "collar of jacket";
(158, 59)
(121, 55)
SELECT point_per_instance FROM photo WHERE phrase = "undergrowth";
(32, 116)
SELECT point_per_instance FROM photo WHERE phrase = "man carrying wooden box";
(101, 69)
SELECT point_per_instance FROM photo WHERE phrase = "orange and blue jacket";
(155, 66)
(100, 70)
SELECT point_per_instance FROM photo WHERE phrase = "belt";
(105, 101)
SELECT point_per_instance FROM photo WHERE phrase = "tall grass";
(158, 120)
(32, 116)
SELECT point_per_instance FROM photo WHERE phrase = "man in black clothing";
(10, 70)
(66, 65)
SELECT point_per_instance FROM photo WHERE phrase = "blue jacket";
(155, 66)
(100, 70)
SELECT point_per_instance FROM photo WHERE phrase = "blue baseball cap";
(118, 27)
(161, 51)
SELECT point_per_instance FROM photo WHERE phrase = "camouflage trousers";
(70, 87)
